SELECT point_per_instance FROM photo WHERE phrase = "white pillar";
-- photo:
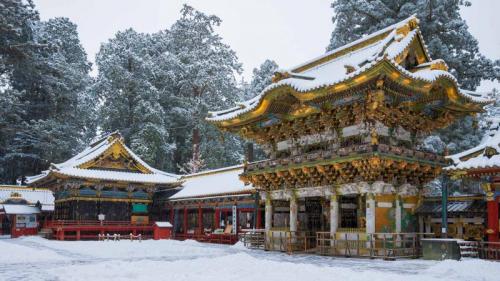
(334, 214)
(293, 213)
(268, 223)
(370, 213)
(269, 214)
(398, 214)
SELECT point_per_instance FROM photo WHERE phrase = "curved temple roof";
(77, 166)
(379, 53)
(486, 155)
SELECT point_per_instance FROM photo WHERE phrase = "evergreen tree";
(199, 76)
(446, 35)
(46, 72)
(261, 78)
(130, 100)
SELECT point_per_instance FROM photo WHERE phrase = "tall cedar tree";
(45, 76)
(446, 35)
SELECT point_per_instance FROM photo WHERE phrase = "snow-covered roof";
(44, 196)
(484, 155)
(163, 224)
(360, 56)
(15, 209)
(213, 183)
(73, 166)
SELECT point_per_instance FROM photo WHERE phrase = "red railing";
(87, 229)
(56, 223)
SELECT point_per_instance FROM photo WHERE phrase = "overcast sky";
(287, 31)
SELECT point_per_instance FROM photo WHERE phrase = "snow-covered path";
(39, 259)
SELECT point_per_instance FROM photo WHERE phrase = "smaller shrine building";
(482, 163)
(213, 205)
(24, 210)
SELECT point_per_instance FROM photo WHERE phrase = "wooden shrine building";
(482, 164)
(107, 179)
(24, 210)
(213, 206)
(343, 134)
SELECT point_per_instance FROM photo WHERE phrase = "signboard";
(26, 221)
(139, 219)
(235, 221)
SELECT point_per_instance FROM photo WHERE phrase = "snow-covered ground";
(34, 258)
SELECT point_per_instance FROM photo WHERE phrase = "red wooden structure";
(162, 230)
(90, 230)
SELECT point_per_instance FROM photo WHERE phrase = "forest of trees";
(157, 88)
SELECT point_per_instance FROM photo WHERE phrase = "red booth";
(162, 230)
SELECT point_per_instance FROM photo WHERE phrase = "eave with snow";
(219, 183)
(482, 160)
(394, 60)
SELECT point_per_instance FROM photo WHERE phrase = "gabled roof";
(32, 195)
(213, 183)
(379, 53)
(483, 156)
(86, 164)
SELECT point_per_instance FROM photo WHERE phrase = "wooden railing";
(290, 241)
(222, 238)
(376, 245)
(56, 223)
(489, 250)
(254, 239)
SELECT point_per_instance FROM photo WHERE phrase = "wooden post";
(172, 213)
(185, 222)
(492, 207)
(200, 220)
(217, 218)
(259, 219)
(444, 207)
